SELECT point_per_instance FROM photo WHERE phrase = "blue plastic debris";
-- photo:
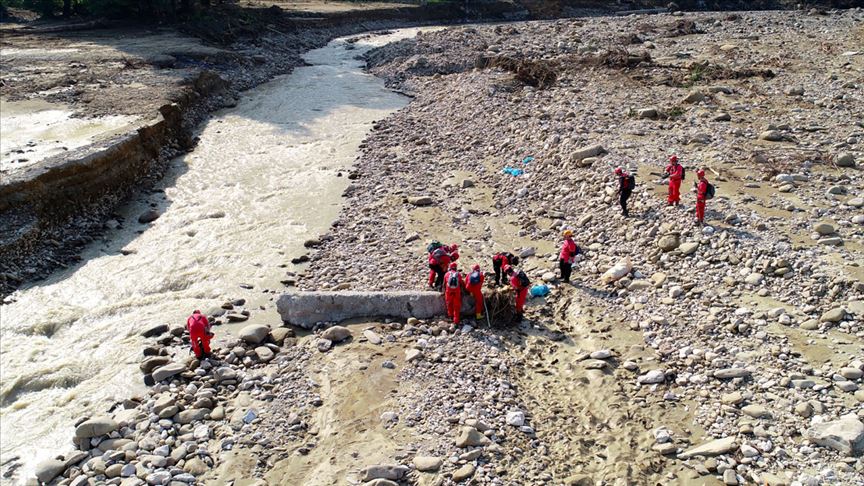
(541, 290)
(528, 160)
(513, 171)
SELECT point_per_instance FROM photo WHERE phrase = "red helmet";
(452, 265)
(673, 158)
(476, 267)
(454, 247)
(619, 171)
(196, 311)
(700, 173)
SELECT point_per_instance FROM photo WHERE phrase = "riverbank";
(164, 81)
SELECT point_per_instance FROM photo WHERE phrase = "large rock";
(254, 333)
(464, 472)
(192, 415)
(668, 243)
(824, 229)
(688, 247)
(471, 437)
(845, 435)
(264, 353)
(167, 371)
(48, 470)
(153, 362)
(729, 373)
(336, 333)
(196, 467)
(420, 200)
(845, 159)
(95, 427)
(585, 152)
(392, 472)
(711, 449)
(305, 309)
(834, 315)
(427, 463)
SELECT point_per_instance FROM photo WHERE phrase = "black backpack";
(630, 182)
(433, 246)
(683, 173)
(453, 281)
(710, 191)
(438, 254)
(523, 279)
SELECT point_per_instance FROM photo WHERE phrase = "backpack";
(434, 245)
(523, 279)
(453, 280)
(630, 182)
(709, 191)
(474, 278)
(683, 173)
(438, 254)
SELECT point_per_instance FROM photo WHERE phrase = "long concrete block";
(305, 309)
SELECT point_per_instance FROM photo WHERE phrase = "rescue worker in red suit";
(675, 172)
(701, 190)
(520, 288)
(199, 333)
(567, 256)
(439, 261)
(453, 285)
(474, 285)
(500, 261)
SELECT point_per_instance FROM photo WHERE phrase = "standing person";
(626, 184)
(704, 191)
(520, 283)
(453, 285)
(502, 260)
(199, 333)
(567, 256)
(675, 173)
(474, 285)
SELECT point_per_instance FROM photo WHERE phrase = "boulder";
(420, 200)
(48, 470)
(196, 467)
(845, 159)
(264, 353)
(649, 113)
(652, 377)
(834, 315)
(729, 373)
(516, 418)
(392, 472)
(471, 437)
(95, 427)
(279, 334)
(148, 216)
(668, 243)
(688, 247)
(153, 362)
(711, 449)
(254, 333)
(167, 371)
(191, 415)
(427, 463)
(586, 152)
(336, 333)
(694, 96)
(824, 229)
(771, 136)
(845, 435)
(154, 330)
(464, 472)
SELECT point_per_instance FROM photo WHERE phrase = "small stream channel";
(262, 180)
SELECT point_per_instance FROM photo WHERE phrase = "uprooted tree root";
(539, 74)
(500, 306)
(617, 58)
(714, 72)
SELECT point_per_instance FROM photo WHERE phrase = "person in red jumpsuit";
(453, 285)
(675, 172)
(474, 285)
(567, 256)
(521, 288)
(701, 190)
(501, 260)
(439, 261)
(199, 333)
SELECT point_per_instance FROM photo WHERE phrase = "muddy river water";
(264, 178)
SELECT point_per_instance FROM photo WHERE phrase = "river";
(263, 179)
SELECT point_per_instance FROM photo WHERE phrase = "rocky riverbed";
(730, 353)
